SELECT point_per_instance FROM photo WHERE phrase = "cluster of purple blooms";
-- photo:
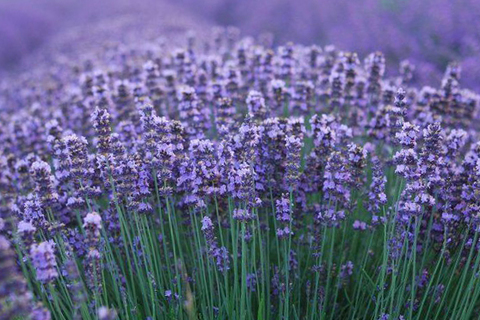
(300, 135)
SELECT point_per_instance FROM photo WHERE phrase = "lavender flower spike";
(43, 260)
(220, 255)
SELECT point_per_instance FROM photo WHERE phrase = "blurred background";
(429, 33)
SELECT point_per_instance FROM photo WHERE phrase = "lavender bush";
(229, 179)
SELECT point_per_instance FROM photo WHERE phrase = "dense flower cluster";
(284, 181)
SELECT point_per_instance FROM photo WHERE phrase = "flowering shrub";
(231, 180)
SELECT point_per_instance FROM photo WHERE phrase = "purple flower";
(302, 96)
(279, 92)
(105, 313)
(192, 114)
(241, 184)
(26, 230)
(346, 270)
(330, 216)
(337, 82)
(252, 282)
(375, 65)
(40, 313)
(169, 295)
(396, 114)
(376, 195)
(243, 215)
(42, 175)
(220, 255)
(224, 115)
(43, 260)
(359, 225)
(200, 174)
(357, 163)
(293, 148)
(406, 161)
(33, 212)
(256, 105)
(101, 122)
(408, 135)
(284, 216)
(92, 223)
(337, 177)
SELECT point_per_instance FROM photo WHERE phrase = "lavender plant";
(229, 180)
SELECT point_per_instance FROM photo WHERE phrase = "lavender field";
(239, 160)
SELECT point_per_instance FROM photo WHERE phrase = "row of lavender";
(430, 32)
(224, 179)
